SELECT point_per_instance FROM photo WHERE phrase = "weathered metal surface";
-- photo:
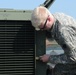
(10, 14)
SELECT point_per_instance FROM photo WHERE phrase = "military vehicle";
(19, 43)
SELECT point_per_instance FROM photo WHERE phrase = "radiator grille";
(17, 48)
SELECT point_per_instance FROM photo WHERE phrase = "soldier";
(62, 28)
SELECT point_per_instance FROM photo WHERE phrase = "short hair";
(39, 16)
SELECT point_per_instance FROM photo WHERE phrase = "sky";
(66, 6)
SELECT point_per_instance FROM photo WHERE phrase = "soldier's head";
(41, 18)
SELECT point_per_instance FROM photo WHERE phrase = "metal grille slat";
(17, 51)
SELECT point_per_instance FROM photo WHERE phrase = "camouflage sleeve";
(69, 42)
(58, 59)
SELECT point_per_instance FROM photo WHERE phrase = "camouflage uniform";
(64, 32)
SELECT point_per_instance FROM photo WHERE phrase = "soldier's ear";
(49, 18)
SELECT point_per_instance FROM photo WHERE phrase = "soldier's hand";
(44, 58)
